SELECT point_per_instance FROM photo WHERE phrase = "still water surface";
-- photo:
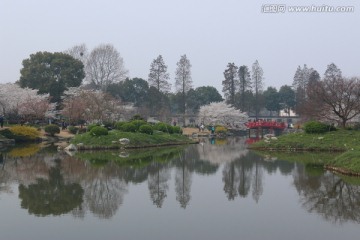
(205, 191)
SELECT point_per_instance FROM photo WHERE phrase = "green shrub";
(163, 127)
(220, 129)
(52, 129)
(82, 130)
(177, 129)
(91, 126)
(138, 123)
(317, 127)
(128, 127)
(73, 129)
(7, 133)
(118, 125)
(146, 129)
(108, 125)
(98, 131)
(29, 135)
(137, 117)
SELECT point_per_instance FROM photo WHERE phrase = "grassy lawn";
(341, 140)
(346, 144)
(349, 160)
(136, 139)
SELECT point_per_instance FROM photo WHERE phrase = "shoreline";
(86, 147)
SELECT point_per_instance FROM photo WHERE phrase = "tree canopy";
(230, 83)
(105, 66)
(51, 73)
(337, 98)
(244, 86)
(158, 76)
(287, 98)
(202, 96)
(183, 80)
(271, 98)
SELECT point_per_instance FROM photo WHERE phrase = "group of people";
(211, 128)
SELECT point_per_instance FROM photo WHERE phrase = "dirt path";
(190, 131)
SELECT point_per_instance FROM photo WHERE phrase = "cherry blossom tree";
(24, 102)
(93, 106)
(222, 114)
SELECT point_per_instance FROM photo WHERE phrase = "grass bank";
(341, 140)
(347, 163)
(345, 142)
(137, 140)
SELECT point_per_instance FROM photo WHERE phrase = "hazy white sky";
(210, 32)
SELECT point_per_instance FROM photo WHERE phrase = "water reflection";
(54, 183)
(240, 175)
(328, 195)
(51, 196)
(159, 175)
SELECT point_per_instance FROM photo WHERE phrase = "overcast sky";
(211, 33)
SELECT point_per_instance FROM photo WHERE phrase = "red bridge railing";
(265, 124)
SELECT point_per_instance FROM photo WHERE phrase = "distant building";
(286, 114)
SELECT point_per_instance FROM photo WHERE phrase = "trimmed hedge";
(163, 127)
(52, 129)
(128, 127)
(146, 129)
(138, 124)
(91, 126)
(119, 125)
(99, 131)
(317, 127)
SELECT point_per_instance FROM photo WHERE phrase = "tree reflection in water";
(184, 166)
(51, 197)
(328, 195)
(243, 174)
(105, 193)
(55, 183)
(159, 175)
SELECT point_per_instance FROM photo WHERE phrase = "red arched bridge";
(260, 124)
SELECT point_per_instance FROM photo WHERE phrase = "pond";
(212, 190)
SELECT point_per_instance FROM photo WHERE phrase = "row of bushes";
(132, 126)
(144, 127)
